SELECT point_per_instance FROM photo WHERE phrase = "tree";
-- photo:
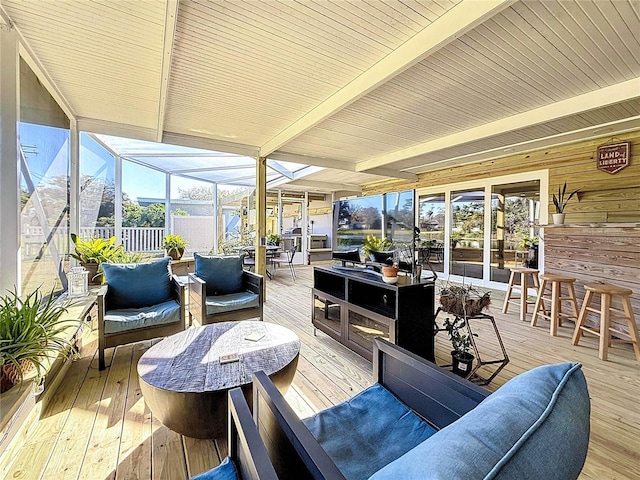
(196, 193)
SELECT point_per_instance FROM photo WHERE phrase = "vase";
(558, 218)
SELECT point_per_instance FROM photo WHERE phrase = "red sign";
(613, 158)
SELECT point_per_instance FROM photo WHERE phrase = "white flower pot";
(558, 218)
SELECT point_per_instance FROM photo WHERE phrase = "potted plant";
(378, 249)
(461, 357)
(30, 331)
(530, 245)
(274, 239)
(560, 202)
(94, 251)
(174, 246)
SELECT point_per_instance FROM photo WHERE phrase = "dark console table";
(354, 305)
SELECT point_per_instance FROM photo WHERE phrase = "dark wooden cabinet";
(354, 306)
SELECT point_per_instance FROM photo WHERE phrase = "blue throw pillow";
(223, 274)
(225, 471)
(136, 285)
(536, 426)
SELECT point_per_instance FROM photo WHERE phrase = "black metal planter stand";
(479, 363)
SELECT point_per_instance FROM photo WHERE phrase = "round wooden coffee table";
(184, 378)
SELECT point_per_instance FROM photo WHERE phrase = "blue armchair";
(139, 301)
(419, 421)
(221, 290)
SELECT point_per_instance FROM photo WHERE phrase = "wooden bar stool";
(555, 298)
(607, 312)
(523, 286)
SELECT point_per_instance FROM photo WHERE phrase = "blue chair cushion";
(367, 431)
(536, 426)
(217, 304)
(225, 471)
(223, 274)
(134, 285)
(131, 318)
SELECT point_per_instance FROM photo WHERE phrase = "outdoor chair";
(248, 458)
(221, 290)
(287, 260)
(139, 301)
(420, 421)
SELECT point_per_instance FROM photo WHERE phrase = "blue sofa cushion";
(536, 426)
(133, 285)
(132, 318)
(367, 431)
(225, 471)
(217, 304)
(223, 274)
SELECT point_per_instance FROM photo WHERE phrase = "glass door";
(515, 214)
(466, 248)
(431, 222)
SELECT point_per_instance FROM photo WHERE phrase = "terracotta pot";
(390, 274)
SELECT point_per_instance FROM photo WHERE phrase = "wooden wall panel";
(596, 253)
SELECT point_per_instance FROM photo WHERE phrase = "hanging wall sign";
(613, 158)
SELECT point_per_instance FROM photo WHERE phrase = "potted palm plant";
(560, 202)
(30, 331)
(174, 245)
(93, 252)
(461, 356)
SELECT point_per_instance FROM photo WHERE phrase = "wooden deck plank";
(327, 374)
(134, 457)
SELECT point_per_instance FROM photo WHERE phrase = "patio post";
(9, 165)
(261, 219)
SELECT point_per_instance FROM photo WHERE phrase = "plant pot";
(390, 274)
(558, 218)
(176, 253)
(94, 277)
(10, 376)
(462, 363)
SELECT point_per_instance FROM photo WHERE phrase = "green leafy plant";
(562, 199)
(30, 331)
(460, 340)
(376, 244)
(527, 241)
(274, 239)
(97, 250)
(173, 242)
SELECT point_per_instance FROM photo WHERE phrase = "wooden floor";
(97, 427)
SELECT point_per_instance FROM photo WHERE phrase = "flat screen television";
(389, 215)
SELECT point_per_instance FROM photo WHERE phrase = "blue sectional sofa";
(419, 421)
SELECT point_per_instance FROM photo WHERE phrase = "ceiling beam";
(390, 172)
(581, 103)
(170, 20)
(454, 23)
(209, 144)
(317, 161)
(618, 127)
(321, 186)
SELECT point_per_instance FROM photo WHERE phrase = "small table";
(185, 384)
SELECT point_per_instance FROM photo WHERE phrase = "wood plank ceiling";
(377, 88)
